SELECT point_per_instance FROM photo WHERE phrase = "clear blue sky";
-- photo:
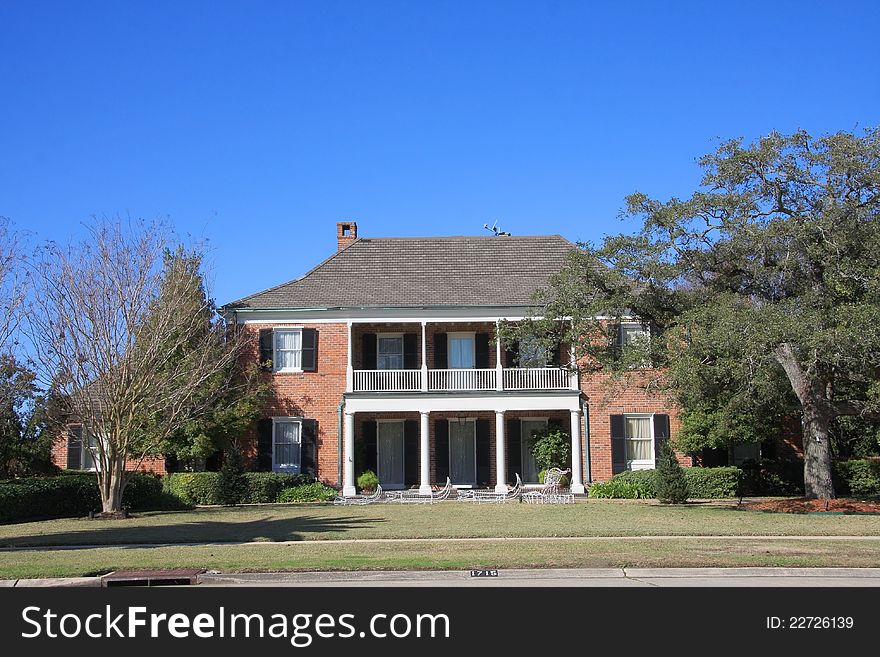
(258, 125)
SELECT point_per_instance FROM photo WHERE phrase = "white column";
(424, 454)
(348, 488)
(349, 372)
(499, 371)
(573, 376)
(577, 478)
(500, 470)
(424, 360)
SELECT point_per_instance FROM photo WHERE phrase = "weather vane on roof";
(495, 230)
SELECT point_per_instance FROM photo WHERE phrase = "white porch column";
(577, 479)
(349, 372)
(424, 454)
(500, 470)
(348, 488)
(424, 359)
(499, 371)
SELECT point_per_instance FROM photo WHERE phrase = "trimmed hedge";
(75, 494)
(772, 478)
(313, 492)
(204, 487)
(859, 477)
(703, 483)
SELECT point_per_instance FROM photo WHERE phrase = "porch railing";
(536, 378)
(387, 380)
(461, 379)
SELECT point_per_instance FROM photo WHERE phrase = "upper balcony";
(436, 357)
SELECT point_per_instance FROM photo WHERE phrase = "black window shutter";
(614, 341)
(441, 449)
(74, 448)
(266, 351)
(410, 351)
(411, 461)
(514, 450)
(264, 445)
(309, 350)
(441, 349)
(483, 469)
(511, 356)
(368, 435)
(368, 350)
(661, 432)
(556, 356)
(481, 351)
(618, 444)
(308, 459)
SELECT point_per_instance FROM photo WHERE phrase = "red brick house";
(383, 357)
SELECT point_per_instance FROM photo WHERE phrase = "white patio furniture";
(412, 495)
(359, 500)
(490, 496)
(549, 492)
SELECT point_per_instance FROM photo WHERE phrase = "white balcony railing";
(533, 378)
(387, 380)
(536, 378)
(461, 380)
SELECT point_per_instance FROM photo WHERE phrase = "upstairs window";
(461, 351)
(632, 334)
(390, 352)
(532, 353)
(287, 355)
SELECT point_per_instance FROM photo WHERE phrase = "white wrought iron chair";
(550, 493)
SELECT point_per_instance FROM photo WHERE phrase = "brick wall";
(154, 464)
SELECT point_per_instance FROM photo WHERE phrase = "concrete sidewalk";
(574, 577)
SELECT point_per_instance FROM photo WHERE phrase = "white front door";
(389, 457)
(463, 452)
(529, 467)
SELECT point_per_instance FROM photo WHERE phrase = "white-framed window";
(461, 351)
(91, 455)
(639, 440)
(389, 351)
(286, 445)
(633, 333)
(532, 353)
(528, 426)
(287, 350)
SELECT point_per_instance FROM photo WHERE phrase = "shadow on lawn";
(267, 528)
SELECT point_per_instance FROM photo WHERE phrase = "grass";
(448, 554)
(311, 525)
(311, 522)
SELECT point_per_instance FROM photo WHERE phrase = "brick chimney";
(346, 233)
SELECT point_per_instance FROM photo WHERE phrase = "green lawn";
(309, 525)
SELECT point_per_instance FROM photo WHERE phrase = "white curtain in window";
(286, 448)
(638, 439)
(390, 461)
(462, 455)
(461, 352)
(390, 353)
(288, 349)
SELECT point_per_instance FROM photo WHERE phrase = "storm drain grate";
(178, 577)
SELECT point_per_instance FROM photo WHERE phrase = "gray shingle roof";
(399, 272)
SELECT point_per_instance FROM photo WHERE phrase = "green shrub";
(551, 447)
(670, 484)
(264, 487)
(772, 478)
(313, 492)
(632, 484)
(859, 477)
(707, 483)
(232, 485)
(72, 495)
(368, 481)
(193, 487)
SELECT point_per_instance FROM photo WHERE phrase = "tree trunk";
(818, 414)
(111, 485)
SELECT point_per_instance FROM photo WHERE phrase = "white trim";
(293, 420)
(473, 422)
(287, 329)
(379, 336)
(640, 464)
(459, 335)
(489, 400)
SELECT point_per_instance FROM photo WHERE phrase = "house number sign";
(484, 573)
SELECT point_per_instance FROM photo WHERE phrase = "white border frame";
(296, 420)
(287, 329)
(387, 486)
(461, 334)
(641, 464)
